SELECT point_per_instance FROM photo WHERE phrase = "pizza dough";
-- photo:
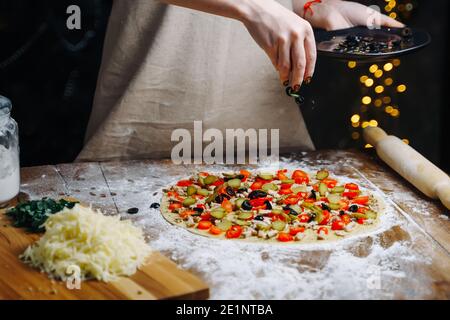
(278, 207)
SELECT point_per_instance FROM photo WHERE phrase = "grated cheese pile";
(103, 247)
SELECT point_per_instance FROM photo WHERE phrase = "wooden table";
(424, 231)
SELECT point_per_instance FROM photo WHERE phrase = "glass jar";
(9, 153)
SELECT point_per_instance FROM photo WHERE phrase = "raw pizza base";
(377, 203)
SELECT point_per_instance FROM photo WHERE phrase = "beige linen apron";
(164, 67)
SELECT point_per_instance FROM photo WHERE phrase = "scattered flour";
(371, 266)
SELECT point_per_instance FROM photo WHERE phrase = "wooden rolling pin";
(410, 164)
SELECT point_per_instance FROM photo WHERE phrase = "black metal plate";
(327, 41)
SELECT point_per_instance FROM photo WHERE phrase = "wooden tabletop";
(117, 186)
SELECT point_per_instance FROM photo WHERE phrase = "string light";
(378, 73)
(369, 82)
(387, 100)
(389, 109)
(355, 118)
(363, 79)
(366, 100)
(395, 113)
(388, 67)
(379, 89)
(381, 80)
(373, 123)
(351, 64)
(401, 88)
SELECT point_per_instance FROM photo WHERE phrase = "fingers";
(298, 64)
(389, 22)
(283, 64)
(311, 56)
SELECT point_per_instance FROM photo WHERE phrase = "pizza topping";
(283, 206)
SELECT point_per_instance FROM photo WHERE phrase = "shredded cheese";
(103, 247)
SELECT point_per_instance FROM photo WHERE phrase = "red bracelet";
(308, 5)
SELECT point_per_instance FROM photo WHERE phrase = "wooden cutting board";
(160, 278)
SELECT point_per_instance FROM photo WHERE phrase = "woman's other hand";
(338, 14)
(286, 38)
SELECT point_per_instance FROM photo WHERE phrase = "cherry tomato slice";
(322, 230)
(285, 191)
(174, 205)
(299, 174)
(350, 194)
(245, 173)
(204, 225)
(256, 185)
(217, 183)
(338, 225)
(362, 209)
(184, 183)
(304, 218)
(360, 220)
(285, 237)
(215, 230)
(352, 186)
(331, 183)
(206, 216)
(291, 200)
(227, 205)
(293, 231)
(362, 200)
(326, 217)
(301, 180)
(234, 232)
(281, 175)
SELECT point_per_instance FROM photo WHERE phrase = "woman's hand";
(286, 38)
(338, 14)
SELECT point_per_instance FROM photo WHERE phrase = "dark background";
(50, 74)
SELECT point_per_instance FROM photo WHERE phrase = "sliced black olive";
(313, 195)
(353, 208)
(288, 207)
(257, 194)
(268, 205)
(246, 205)
(241, 190)
(406, 32)
(230, 191)
(342, 212)
(219, 198)
(259, 218)
(155, 205)
(133, 210)
(199, 210)
(293, 212)
(325, 207)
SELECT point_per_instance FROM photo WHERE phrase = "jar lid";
(5, 106)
